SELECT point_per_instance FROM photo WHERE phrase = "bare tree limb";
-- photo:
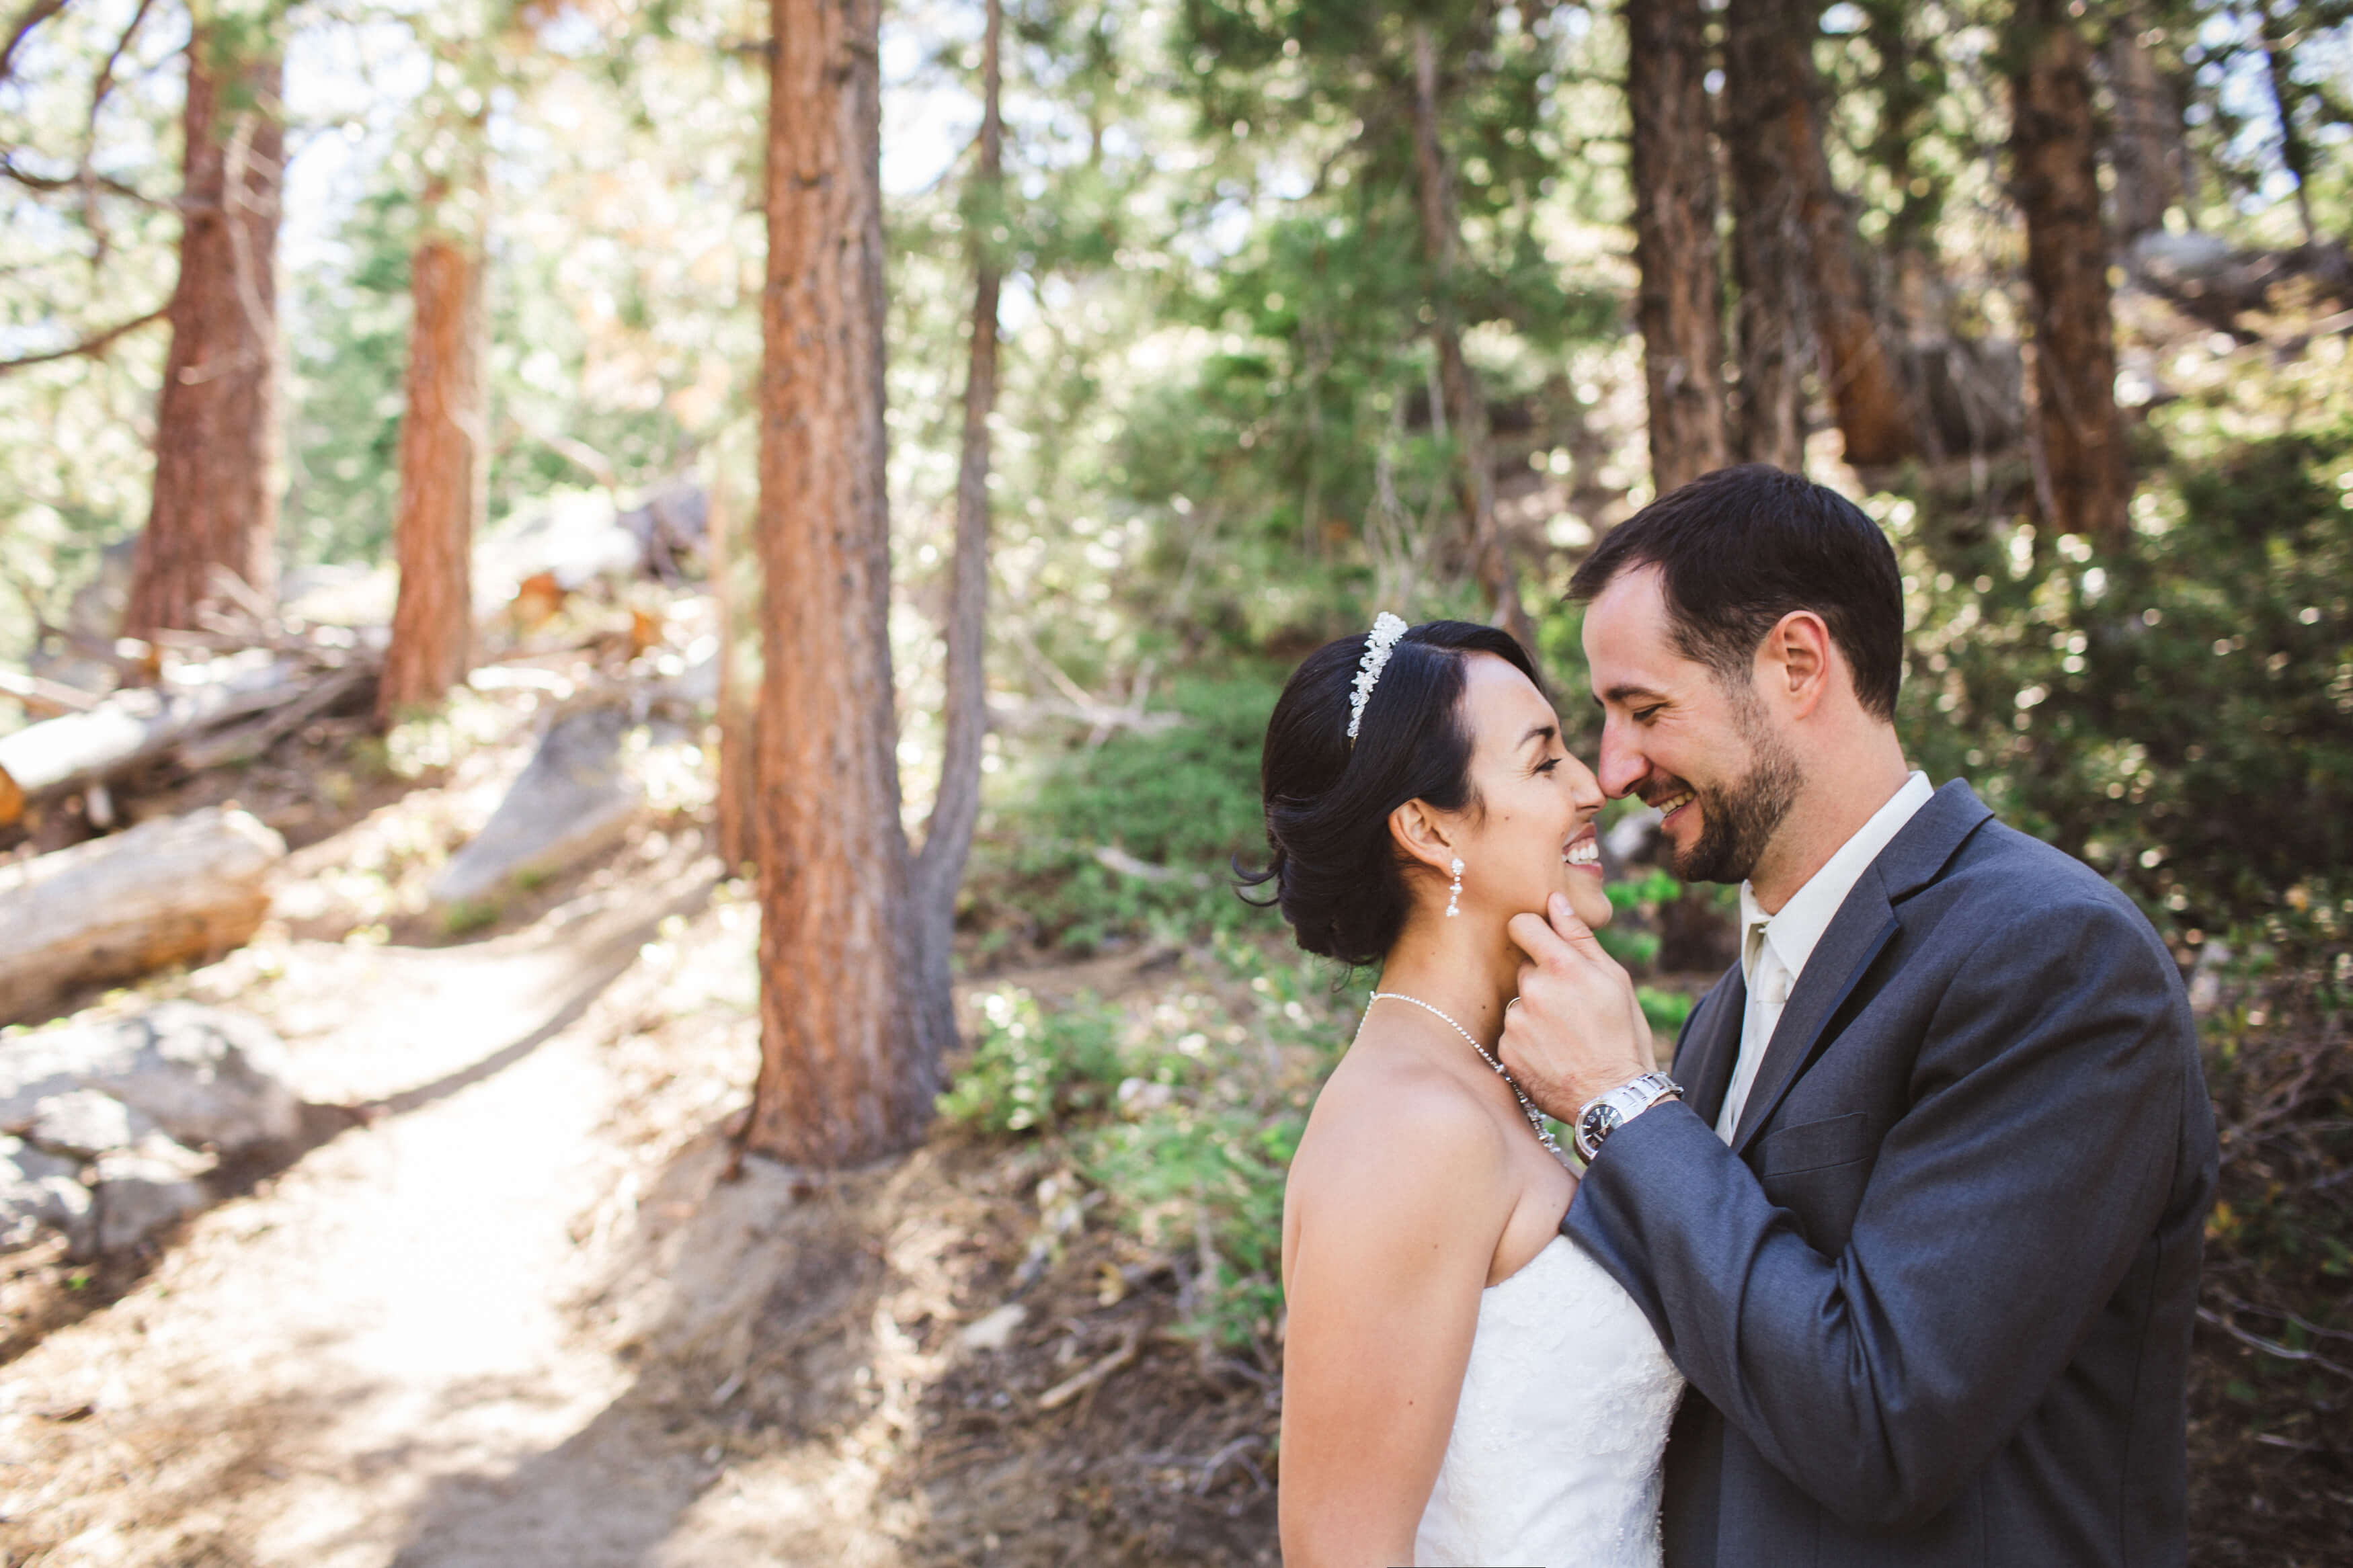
(2212, 1319)
(84, 180)
(96, 343)
(104, 83)
(39, 12)
(101, 86)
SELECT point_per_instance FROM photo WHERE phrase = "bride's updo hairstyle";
(1339, 880)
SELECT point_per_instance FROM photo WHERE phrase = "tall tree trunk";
(947, 837)
(850, 1038)
(1465, 404)
(1766, 123)
(444, 476)
(2145, 139)
(1876, 411)
(1803, 253)
(215, 495)
(1680, 304)
(2081, 472)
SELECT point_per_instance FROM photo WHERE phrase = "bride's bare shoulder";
(1395, 1126)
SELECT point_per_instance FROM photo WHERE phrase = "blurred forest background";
(628, 568)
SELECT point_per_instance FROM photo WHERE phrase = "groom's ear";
(1417, 832)
(1801, 661)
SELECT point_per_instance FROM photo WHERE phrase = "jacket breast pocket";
(1817, 1171)
(1812, 1145)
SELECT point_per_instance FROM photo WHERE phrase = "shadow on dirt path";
(288, 1383)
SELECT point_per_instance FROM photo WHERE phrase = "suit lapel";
(1862, 928)
(1858, 930)
(1711, 1044)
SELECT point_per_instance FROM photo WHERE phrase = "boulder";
(40, 1190)
(139, 1191)
(202, 1075)
(85, 1123)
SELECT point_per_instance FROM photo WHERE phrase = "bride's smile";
(1528, 829)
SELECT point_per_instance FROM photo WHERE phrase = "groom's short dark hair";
(1738, 549)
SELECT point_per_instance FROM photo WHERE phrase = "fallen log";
(176, 889)
(257, 697)
(133, 727)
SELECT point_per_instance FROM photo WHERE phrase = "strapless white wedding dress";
(1554, 1460)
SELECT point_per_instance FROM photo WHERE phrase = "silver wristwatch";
(1604, 1114)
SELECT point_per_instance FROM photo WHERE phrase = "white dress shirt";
(1774, 948)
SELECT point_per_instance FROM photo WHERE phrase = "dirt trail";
(362, 1363)
(511, 1316)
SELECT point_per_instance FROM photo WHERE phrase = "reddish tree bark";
(1679, 305)
(2079, 469)
(850, 1037)
(443, 471)
(215, 495)
(1464, 402)
(1795, 253)
(1772, 317)
(955, 810)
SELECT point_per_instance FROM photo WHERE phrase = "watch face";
(1602, 1120)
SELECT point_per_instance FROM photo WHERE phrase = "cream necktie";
(1768, 990)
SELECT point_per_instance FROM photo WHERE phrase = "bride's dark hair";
(1338, 878)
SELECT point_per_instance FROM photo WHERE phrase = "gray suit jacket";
(1934, 1300)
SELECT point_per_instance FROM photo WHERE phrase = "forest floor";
(507, 1306)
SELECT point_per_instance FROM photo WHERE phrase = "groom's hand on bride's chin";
(1578, 1030)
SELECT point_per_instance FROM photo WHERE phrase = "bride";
(1462, 1385)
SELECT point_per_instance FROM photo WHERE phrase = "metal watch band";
(1604, 1113)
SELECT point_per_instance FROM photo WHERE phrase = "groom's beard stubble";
(1737, 820)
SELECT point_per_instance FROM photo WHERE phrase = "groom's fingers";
(1572, 929)
(1558, 940)
(1535, 936)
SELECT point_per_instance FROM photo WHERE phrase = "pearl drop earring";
(1454, 895)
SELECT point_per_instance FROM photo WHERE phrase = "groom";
(1922, 1227)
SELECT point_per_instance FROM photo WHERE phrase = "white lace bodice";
(1554, 1459)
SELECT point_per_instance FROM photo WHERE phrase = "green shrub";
(1208, 1184)
(1633, 936)
(1030, 1070)
(1666, 1010)
(1178, 803)
(2178, 712)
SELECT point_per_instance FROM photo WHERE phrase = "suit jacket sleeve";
(2004, 1206)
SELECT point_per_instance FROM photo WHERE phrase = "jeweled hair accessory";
(1386, 630)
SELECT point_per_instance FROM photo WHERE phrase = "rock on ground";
(206, 1076)
(142, 1189)
(38, 1190)
(573, 800)
(108, 1129)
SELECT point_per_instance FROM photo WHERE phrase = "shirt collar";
(1800, 925)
